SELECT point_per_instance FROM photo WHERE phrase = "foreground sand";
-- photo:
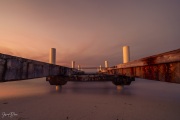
(142, 100)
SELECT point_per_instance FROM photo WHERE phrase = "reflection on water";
(41, 87)
(24, 88)
(91, 100)
(58, 88)
(119, 88)
(85, 88)
(140, 87)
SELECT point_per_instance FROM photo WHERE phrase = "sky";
(88, 31)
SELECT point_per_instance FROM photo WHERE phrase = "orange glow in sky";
(88, 32)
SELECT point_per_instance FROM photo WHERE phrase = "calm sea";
(143, 99)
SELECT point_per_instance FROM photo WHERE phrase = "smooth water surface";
(143, 100)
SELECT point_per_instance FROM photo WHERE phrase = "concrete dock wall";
(162, 67)
(17, 68)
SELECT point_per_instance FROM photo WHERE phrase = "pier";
(163, 67)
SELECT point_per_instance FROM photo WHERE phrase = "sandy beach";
(142, 100)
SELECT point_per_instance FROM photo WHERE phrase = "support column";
(52, 56)
(73, 64)
(52, 60)
(106, 64)
(79, 67)
(100, 67)
(126, 54)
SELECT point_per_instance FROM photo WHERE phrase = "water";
(143, 100)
